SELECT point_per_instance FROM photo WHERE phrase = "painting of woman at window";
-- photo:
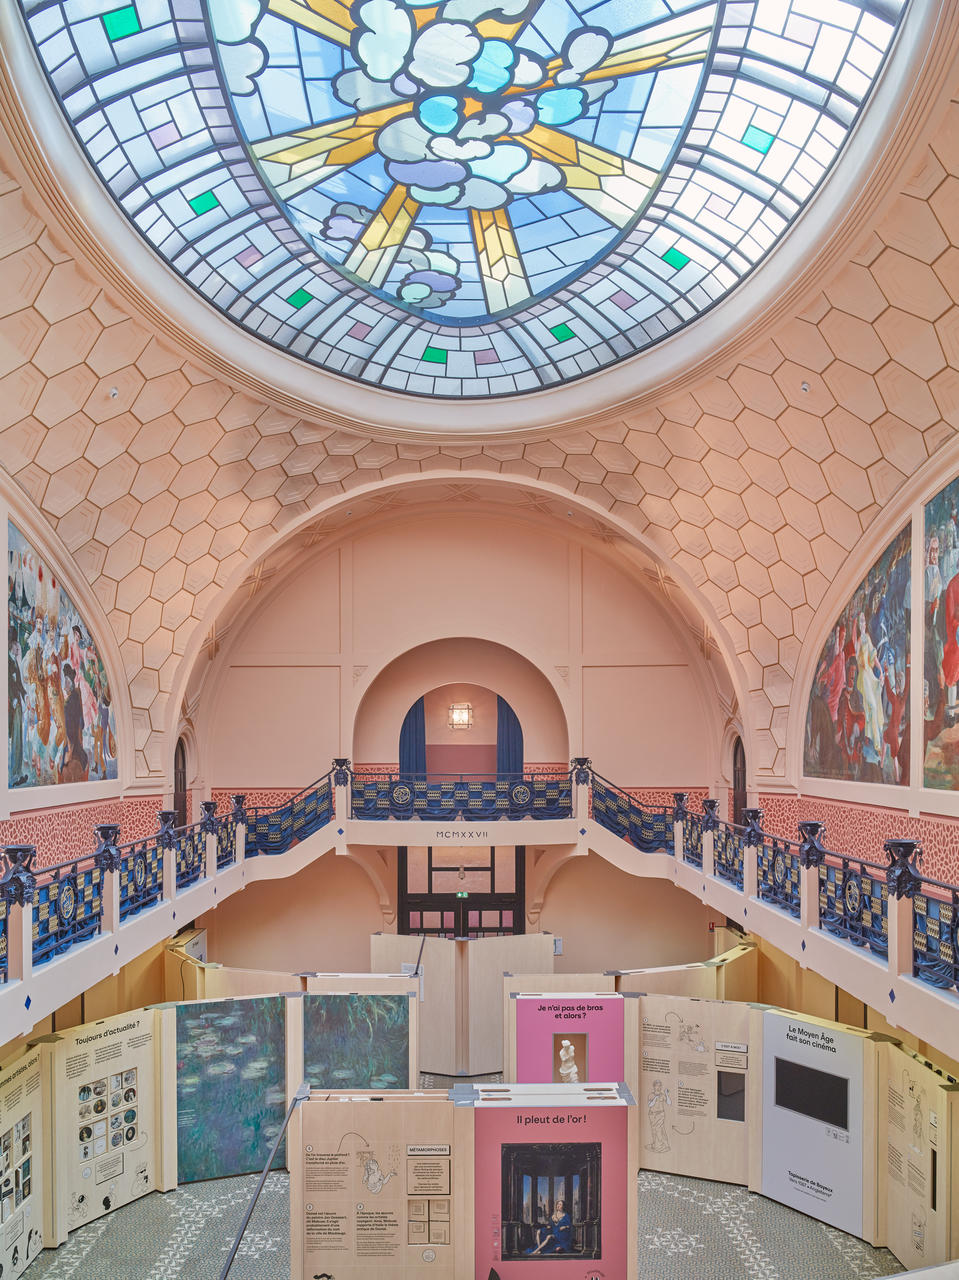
(557, 1236)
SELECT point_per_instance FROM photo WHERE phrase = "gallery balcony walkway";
(878, 928)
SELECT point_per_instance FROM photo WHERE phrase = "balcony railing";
(849, 898)
(854, 902)
(67, 907)
(473, 797)
(645, 827)
(272, 831)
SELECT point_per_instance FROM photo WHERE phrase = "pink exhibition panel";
(552, 1189)
(570, 1039)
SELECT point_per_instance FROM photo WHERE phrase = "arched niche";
(460, 663)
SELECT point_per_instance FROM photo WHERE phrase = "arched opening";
(739, 781)
(180, 796)
(460, 729)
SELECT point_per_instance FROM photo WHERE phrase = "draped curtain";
(413, 740)
(509, 739)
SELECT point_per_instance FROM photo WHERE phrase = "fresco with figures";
(940, 632)
(857, 720)
(61, 724)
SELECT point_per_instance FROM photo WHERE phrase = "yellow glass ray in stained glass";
(614, 187)
(634, 54)
(295, 161)
(328, 18)
(501, 266)
(384, 236)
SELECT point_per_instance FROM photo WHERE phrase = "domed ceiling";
(468, 199)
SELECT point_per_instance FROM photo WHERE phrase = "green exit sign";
(462, 894)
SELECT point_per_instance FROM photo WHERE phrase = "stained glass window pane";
(470, 197)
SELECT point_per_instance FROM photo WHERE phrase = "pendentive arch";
(17, 507)
(589, 519)
(905, 508)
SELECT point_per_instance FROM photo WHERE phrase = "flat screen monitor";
(817, 1094)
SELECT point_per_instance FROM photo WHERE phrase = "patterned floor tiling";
(181, 1235)
(688, 1230)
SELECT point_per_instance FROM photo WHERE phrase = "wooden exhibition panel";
(105, 1118)
(733, 975)
(439, 1035)
(812, 1118)
(461, 977)
(26, 1177)
(188, 978)
(602, 1030)
(692, 1095)
(918, 1154)
(545, 982)
(488, 959)
(381, 1187)
(361, 983)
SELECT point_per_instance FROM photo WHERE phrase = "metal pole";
(301, 1095)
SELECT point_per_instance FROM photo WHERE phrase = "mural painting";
(356, 1041)
(940, 631)
(230, 1086)
(857, 720)
(61, 725)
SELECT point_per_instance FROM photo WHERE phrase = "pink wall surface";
(860, 829)
(496, 1127)
(320, 920)
(540, 1018)
(66, 832)
(329, 659)
(611, 920)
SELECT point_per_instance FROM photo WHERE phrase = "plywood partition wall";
(488, 959)
(439, 1035)
(918, 1156)
(733, 975)
(461, 1012)
(381, 1188)
(188, 978)
(26, 1181)
(813, 1118)
(695, 1059)
(105, 1118)
(545, 982)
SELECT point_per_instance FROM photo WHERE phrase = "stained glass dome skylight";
(468, 198)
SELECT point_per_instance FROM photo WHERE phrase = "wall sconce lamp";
(461, 715)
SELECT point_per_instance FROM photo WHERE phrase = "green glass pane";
(674, 258)
(562, 332)
(435, 355)
(758, 139)
(204, 202)
(299, 299)
(121, 22)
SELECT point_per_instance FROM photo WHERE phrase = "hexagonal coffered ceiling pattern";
(164, 483)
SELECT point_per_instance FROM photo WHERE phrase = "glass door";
(461, 893)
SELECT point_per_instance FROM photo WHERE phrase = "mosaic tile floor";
(689, 1230)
